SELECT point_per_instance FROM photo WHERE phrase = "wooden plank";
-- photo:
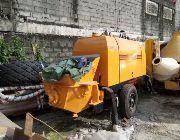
(28, 125)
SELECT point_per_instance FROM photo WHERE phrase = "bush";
(17, 49)
(5, 51)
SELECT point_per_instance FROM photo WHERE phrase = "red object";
(133, 81)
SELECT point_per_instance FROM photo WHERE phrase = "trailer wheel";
(128, 99)
(148, 86)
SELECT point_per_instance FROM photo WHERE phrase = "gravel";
(157, 117)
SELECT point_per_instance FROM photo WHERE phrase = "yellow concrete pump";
(117, 65)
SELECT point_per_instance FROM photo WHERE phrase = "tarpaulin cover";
(76, 67)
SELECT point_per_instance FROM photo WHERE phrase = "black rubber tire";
(18, 73)
(124, 99)
(148, 86)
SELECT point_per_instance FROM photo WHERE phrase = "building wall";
(82, 17)
(92, 15)
(5, 15)
(65, 20)
(57, 17)
(177, 17)
(54, 47)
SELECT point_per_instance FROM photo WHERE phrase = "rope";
(46, 125)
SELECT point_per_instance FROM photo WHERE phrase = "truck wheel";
(128, 99)
(148, 86)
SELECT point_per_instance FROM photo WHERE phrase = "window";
(151, 8)
(167, 13)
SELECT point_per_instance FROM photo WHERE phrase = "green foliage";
(38, 52)
(17, 50)
(5, 52)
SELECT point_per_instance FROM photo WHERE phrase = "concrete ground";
(157, 117)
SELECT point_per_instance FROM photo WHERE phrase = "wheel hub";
(132, 100)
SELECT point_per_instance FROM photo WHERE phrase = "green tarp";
(67, 66)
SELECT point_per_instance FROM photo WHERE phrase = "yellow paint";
(172, 85)
(112, 68)
(134, 65)
(149, 55)
(172, 49)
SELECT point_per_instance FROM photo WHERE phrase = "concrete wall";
(67, 19)
(57, 17)
(82, 17)
(177, 17)
(6, 15)
(54, 47)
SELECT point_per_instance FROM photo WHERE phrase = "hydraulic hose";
(114, 106)
(14, 98)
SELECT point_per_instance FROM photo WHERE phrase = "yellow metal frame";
(75, 96)
(172, 85)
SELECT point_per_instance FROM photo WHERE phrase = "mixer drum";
(165, 69)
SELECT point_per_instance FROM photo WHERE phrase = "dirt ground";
(157, 117)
